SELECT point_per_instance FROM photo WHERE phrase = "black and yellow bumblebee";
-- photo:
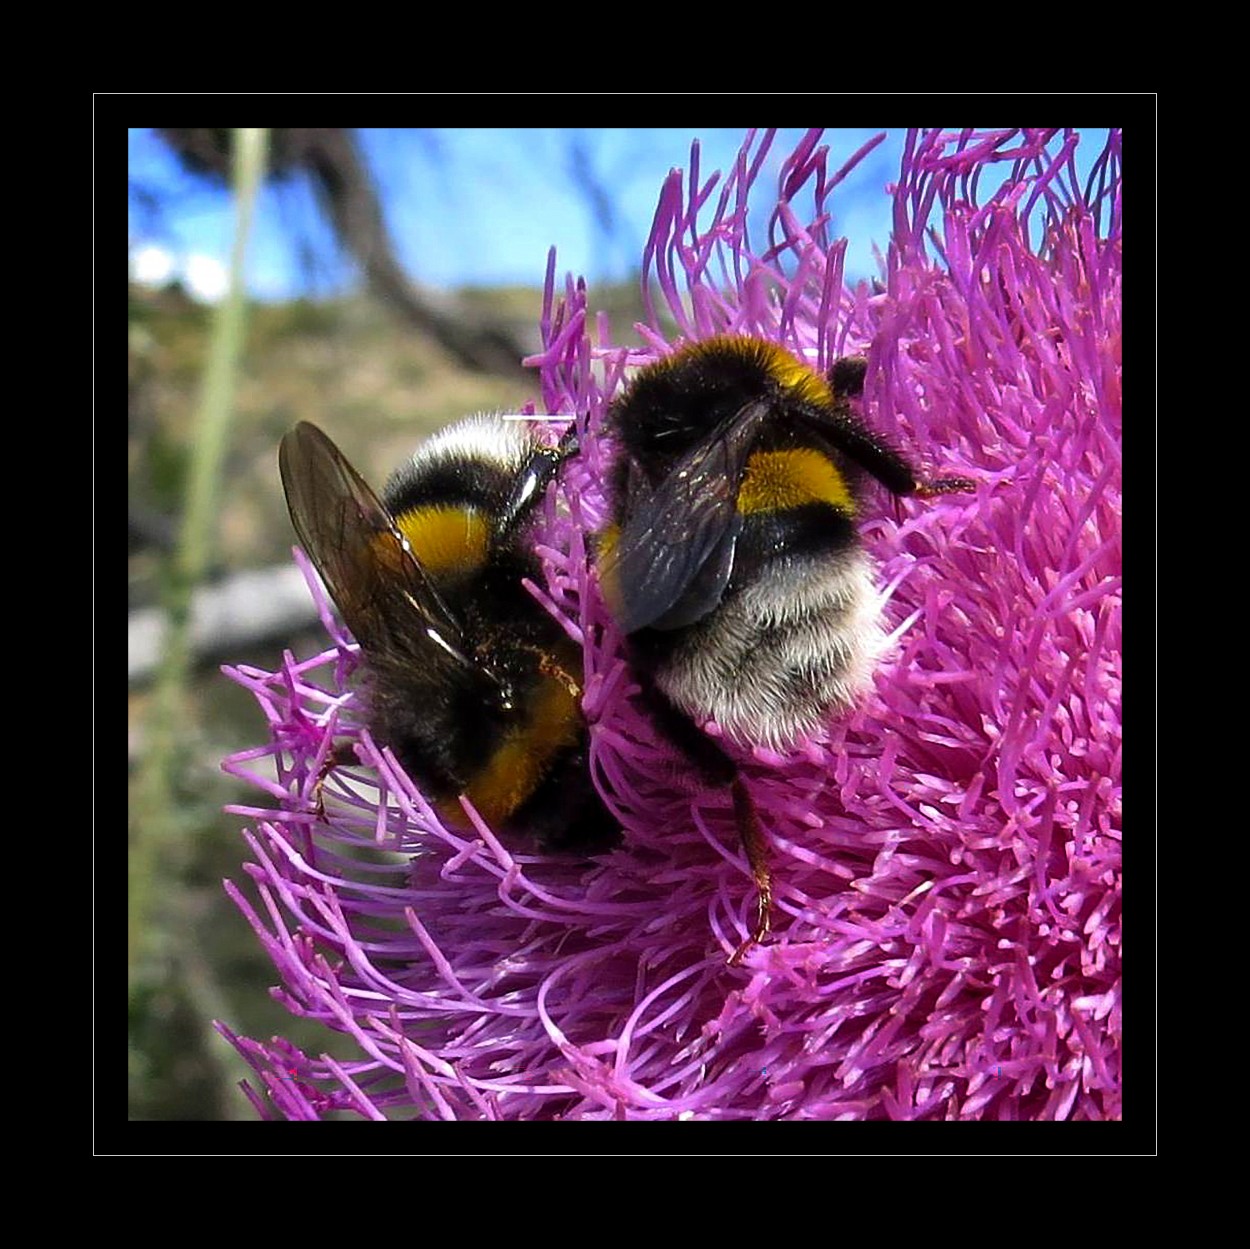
(470, 681)
(732, 560)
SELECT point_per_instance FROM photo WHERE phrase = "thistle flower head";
(946, 942)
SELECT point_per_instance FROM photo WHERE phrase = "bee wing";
(385, 596)
(675, 550)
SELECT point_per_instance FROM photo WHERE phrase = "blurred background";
(392, 282)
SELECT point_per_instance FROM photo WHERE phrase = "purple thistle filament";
(946, 936)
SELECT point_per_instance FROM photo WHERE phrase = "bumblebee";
(469, 680)
(731, 560)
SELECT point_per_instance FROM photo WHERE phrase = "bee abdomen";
(797, 643)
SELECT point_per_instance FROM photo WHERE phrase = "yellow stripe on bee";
(800, 381)
(605, 561)
(777, 481)
(446, 539)
(517, 768)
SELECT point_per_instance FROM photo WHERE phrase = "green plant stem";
(154, 816)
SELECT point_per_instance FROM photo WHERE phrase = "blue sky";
(482, 206)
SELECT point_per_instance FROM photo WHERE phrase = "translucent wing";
(386, 598)
(674, 552)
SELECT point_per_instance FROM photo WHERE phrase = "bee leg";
(336, 758)
(531, 482)
(551, 667)
(719, 770)
(878, 458)
(842, 429)
(943, 485)
(568, 444)
(757, 856)
(846, 377)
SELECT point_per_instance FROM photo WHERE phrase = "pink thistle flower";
(946, 936)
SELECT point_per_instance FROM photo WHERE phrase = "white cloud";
(205, 278)
(152, 265)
